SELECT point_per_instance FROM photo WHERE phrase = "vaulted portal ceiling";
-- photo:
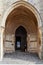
(21, 16)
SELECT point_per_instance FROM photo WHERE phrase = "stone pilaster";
(1, 43)
(1, 30)
(39, 42)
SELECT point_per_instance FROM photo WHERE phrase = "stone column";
(40, 42)
(1, 43)
(1, 30)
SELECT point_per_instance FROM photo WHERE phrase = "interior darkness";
(21, 39)
(18, 39)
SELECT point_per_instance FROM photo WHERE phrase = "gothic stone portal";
(21, 25)
(21, 29)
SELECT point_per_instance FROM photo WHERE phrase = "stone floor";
(21, 58)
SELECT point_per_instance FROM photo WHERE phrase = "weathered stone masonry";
(4, 5)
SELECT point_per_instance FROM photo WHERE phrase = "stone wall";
(41, 14)
(8, 3)
(1, 14)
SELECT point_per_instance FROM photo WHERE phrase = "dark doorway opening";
(21, 39)
(18, 43)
